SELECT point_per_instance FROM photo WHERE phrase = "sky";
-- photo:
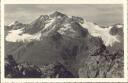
(102, 14)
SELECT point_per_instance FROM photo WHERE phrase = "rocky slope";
(83, 48)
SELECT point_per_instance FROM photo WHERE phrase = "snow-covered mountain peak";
(14, 23)
(56, 22)
(56, 14)
(118, 25)
(103, 33)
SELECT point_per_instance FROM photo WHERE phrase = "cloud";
(93, 12)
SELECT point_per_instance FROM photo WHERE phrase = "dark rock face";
(102, 66)
(25, 70)
(56, 14)
(65, 41)
(56, 70)
(115, 30)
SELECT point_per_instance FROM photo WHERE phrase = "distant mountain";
(77, 44)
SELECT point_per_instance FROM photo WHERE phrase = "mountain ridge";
(67, 40)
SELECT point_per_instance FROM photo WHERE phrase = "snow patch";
(67, 27)
(119, 26)
(18, 36)
(13, 23)
(103, 33)
(49, 23)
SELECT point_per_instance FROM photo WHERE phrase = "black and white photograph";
(64, 41)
